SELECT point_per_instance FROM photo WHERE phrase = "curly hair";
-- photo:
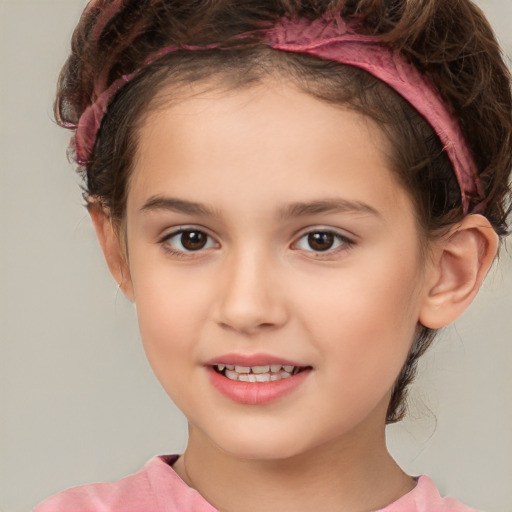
(450, 42)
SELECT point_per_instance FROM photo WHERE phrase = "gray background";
(78, 401)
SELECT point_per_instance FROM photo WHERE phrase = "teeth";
(260, 369)
(264, 373)
(247, 377)
(273, 368)
(230, 374)
(258, 373)
(263, 377)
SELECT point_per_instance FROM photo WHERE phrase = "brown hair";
(450, 41)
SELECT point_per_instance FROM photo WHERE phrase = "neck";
(349, 475)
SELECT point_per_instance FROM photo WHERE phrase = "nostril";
(247, 327)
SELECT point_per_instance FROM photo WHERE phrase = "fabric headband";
(328, 38)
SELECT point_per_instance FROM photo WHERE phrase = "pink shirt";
(157, 488)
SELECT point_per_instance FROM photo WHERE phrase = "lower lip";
(256, 393)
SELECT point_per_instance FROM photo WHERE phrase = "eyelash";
(165, 242)
(344, 243)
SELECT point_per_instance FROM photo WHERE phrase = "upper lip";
(251, 360)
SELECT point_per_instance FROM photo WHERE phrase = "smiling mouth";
(266, 373)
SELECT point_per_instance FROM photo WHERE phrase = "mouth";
(264, 373)
(256, 379)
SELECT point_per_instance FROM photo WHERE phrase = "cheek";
(366, 317)
(170, 309)
(168, 322)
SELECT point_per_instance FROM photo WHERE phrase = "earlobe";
(460, 263)
(112, 248)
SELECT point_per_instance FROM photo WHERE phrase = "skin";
(258, 286)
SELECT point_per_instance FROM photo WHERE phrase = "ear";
(112, 247)
(460, 263)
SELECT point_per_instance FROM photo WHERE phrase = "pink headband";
(329, 38)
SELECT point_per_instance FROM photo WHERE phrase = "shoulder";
(426, 498)
(154, 487)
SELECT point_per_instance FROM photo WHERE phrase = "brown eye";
(193, 240)
(321, 241)
(186, 241)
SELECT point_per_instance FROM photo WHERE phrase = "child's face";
(304, 251)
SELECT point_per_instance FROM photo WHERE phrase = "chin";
(263, 446)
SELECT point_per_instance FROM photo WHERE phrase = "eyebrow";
(300, 209)
(156, 203)
(334, 205)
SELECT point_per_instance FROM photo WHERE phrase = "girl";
(296, 196)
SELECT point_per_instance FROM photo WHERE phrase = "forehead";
(271, 139)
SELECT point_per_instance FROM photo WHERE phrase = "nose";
(251, 298)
